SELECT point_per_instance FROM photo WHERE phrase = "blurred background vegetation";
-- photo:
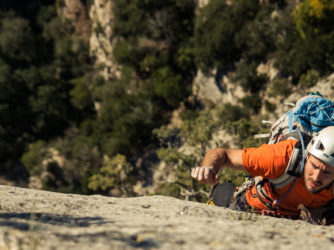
(53, 134)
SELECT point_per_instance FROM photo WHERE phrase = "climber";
(312, 187)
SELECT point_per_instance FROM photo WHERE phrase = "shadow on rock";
(53, 219)
(135, 241)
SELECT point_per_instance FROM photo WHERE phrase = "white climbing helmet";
(322, 146)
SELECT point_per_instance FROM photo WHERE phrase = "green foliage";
(183, 186)
(185, 56)
(152, 46)
(309, 42)
(81, 159)
(253, 82)
(216, 38)
(116, 172)
(81, 95)
(16, 39)
(245, 129)
(11, 145)
(169, 189)
(34, 157)
(249, 79)
(280, 86)
(129, 19)
(270, 107)
(229, 175)
(314, 17)
(197, 134)
(256, 38)
(190, 114)
(16, 117)
(125, 119)
(252, 103)
(40, 57)
(155, 41)
(198, 131)
(229, 112)
(168, 86)
(309, 79)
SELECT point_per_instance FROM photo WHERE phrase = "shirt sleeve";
(268, 160)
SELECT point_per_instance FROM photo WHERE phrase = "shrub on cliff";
(115, 173)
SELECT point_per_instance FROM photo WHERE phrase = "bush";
(218, 40)
(249, 79)
(270, 107)
(280, 86)
(308, 42)
(314, 17)
(33, 158)
(115, 173)
(229, 112)
(169, 189)
(169, 86)
(245, 129)
(309, 79)
(16, 39)
(197, 133)
(79, 157)
(252, 103)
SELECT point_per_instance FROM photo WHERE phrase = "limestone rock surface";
(34, 219)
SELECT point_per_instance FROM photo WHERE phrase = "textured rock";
(202, 3)
(101, 42)
(32, 219)
(208, 89)
(76, 12)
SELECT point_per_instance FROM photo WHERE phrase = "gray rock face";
(101, 42)
(76, 12)
(207, 89)
(32, 219)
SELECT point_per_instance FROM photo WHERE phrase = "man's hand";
(205, 175)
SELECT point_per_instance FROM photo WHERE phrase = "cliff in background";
(124, 97)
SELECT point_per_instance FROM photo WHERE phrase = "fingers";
(197, 173)
(201, 174)
(205, 175)
(194, 172)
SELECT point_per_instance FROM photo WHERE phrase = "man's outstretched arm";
(213, 161)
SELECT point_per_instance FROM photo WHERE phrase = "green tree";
(115, 173)
(308, 40)
(154, 39)
(215, 38)
(16, 39)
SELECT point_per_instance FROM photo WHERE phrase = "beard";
(319, 190)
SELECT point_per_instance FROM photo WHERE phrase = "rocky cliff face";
(217, 90)
(202, 3)
(94, 25)
(101, 42)
(32, 219)
(77, 13)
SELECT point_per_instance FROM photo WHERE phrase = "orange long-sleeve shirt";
(270, 161)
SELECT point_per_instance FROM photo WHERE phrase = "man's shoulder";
(287, 142)
(268, 160)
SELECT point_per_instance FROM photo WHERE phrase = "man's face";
(317, 175)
